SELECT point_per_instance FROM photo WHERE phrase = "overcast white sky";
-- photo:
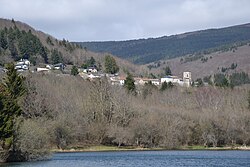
(95, 20)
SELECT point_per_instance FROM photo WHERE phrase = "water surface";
(144, 159)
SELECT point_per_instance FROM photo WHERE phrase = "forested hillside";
(144, 51)
(19, 40)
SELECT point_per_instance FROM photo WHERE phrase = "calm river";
(145, 159)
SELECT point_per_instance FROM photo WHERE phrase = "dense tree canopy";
(3, 40)
(166, 85)
(110, 65)
(237, 79)
(129, 83)
(221, 80)
(22, 44)
(74, 70)
(89, 63)
(167, 70)
(199, 82)
(56, 57)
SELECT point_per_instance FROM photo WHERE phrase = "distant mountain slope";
(206, 65)
(144, 51)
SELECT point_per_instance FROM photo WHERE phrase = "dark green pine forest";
(22, 44)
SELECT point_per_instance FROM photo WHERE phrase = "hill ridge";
(142, 51)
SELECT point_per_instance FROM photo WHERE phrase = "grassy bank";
(100, 148)
(105, 148)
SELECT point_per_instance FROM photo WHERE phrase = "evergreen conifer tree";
(130, 83)
(110, 65)
(10, 91)
(56, 57)
(74, 71)
(168, 71)
(91, 61)
(3, 40)
(166, 85)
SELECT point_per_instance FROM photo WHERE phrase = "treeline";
(69, 112)
(197, 44)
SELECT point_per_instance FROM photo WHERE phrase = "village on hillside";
(92, 73)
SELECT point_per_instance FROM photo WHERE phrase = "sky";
(105, 20)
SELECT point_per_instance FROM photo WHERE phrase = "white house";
(117, 80)
(39, 69)
(142, 81)
(91, 69)
(50, 67)
(169, 78)
(139, 81)
(186, 81)
(23, 61)
(22, 65)
(91, 76)
(59, 66)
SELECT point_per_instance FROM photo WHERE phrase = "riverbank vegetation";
(64, 112)
(14, 146)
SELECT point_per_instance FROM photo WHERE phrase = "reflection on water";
(144, 159)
